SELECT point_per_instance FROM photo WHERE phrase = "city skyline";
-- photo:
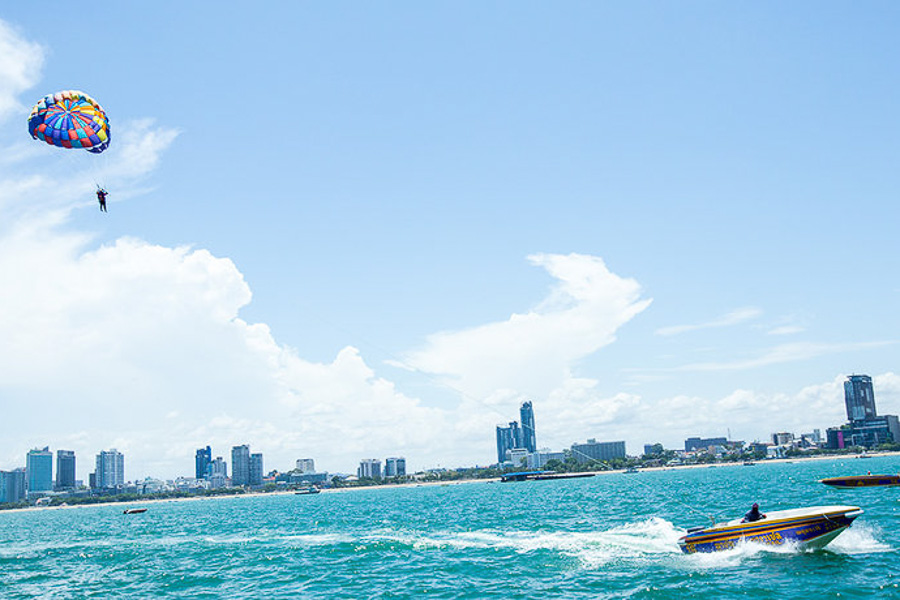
(636, 216)
(864, 427)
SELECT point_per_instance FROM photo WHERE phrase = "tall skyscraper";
(240, 465)
(39, 470)
(859, 396)
(110, 471)
(395, 467)
(256, 469)
(12, 486)
(201, 462)
(508, 438)
(65, 469)
(529, 437)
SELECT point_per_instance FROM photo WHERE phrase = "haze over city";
(334, 235)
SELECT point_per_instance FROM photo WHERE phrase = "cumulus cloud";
(20, 64)
(751, 415)
(142, 347)
(531, 354)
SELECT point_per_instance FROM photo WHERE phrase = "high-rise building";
(65, 469)
(306, 465)
(218, 473)
(256, 469)
(39, 470)
(859, 396)
(529, 437)
(240, 465)
(508, 438)
(110, 471)
(218, 467)
(395, 467)
(201, 462)
(12, 486)
(369, 467)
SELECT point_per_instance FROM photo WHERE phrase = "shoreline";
(412, 484)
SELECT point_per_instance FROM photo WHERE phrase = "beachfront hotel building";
(65, 469)
(594, 450)
(110, 469)
(218, 473)
(306, 465)
(508, 439)
(395, 467)
(256, 469)
(39, 471)
(12, 486)
(240, 465)
(695, 443)
(864, 427)
(515, 437)
(201, 462)
(369, 467)
(529, 436)
(859, 398)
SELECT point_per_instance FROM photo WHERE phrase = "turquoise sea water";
(610, 536)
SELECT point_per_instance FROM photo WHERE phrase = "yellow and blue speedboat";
(853, 481)
(812, 527)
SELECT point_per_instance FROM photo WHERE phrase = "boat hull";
(854, 481)
(807, 528)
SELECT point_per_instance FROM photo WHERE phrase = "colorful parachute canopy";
(70, 119)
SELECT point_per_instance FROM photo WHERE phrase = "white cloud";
(786, 330)
(532, 355)
(141, 347)
(782, 354)
(735, 317)
(751, 414)
(20, 64)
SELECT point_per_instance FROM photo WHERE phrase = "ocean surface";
(610, 536)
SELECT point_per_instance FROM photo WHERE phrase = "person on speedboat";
(753, 514)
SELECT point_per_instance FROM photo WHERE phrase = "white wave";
(742, 551)
(634, 540)
(859, 539)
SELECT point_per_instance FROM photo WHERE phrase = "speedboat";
(812, 527)
(134, 511)
(852, 481)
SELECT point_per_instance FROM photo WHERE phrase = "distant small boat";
(308, 490)
(749, 463)
(812, 527)
(134, 511)
(854, 481)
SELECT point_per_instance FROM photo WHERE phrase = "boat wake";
(650, 540)
(859, 539)
(652, 537)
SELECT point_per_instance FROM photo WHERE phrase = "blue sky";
(359, 230)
